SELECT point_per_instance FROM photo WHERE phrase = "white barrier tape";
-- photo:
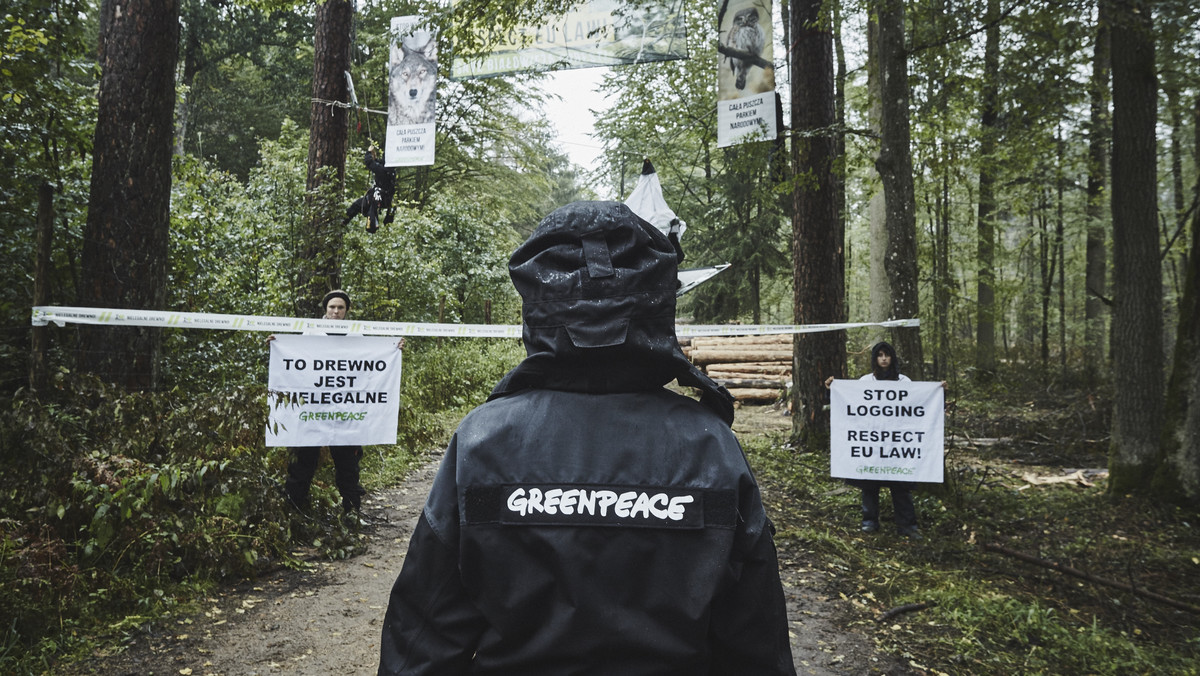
(61, 316)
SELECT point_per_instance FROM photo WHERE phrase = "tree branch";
(1074, 572)
(907, 608)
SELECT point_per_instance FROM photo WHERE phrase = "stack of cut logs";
(755, 369)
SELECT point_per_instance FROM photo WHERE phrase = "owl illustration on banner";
(746, 35)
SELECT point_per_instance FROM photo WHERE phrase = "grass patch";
(990, 613)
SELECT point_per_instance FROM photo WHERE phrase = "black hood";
(598, 289)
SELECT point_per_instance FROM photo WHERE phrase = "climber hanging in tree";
(378, 197)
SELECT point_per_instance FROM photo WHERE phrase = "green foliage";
(117, 505)
(728, 197)
(47, 111)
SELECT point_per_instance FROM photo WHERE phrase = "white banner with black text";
(886, 430)
(333, 391)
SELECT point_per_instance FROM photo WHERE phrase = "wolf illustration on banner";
(413, 90)
(412, 93)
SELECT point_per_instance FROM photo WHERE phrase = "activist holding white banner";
(333, 390)
(886, 431)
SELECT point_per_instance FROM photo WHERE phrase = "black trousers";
(902, 504)
(345, 474)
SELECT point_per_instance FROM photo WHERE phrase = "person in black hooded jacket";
(885, 365)
(585, 519)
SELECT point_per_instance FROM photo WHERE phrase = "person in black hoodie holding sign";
(885, 365)
(585, 519)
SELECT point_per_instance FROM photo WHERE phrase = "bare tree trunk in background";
(1137, 270)
(1178, 476)
(879, 292)
(985, 326)
(1096, 276)
(39, 338)
(894, 165)
(126, 237)
(320, 255)
(818, 238)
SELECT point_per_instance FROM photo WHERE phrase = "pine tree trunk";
(894, 165)
(39, 339)
(126, 237)
(985, 326)
(1178, 477)
(817, 235)
(1096, 275)
(1137, 270)
(320, 255)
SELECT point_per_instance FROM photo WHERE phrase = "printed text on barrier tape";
(43, 315)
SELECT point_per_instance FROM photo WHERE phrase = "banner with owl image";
(745, 72)
(412, 93)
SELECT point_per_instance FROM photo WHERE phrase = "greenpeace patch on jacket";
(599, 505)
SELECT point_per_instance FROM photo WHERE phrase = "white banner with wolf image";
(412, 93)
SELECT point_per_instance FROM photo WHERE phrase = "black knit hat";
(336, 293)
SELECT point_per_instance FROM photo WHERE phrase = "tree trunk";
(320, 255)
(1096, 276)
(1137, 270)
(39, 338)
(879, 292)
(894, 165)
(985, 325)
(818, 239)
(125, 241)
(1178, 477)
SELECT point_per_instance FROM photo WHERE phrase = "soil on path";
(327, 619)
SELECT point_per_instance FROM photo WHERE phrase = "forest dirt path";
(327, 619)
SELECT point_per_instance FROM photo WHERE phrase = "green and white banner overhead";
(596, 33)
(745, 72)
(333, 391)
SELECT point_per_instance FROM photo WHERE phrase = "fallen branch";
(907, 608)
(1075, 572)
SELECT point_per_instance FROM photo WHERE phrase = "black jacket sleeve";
(431, 627)
(749, 631)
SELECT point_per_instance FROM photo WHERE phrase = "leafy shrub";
(115, 504)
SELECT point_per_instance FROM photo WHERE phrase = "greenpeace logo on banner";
(333, 390)
(886, 429)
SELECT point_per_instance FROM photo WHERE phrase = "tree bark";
(985, 298)
(878, 291)
(1137, 269)
(1178, 476)
(39, 338)
(1096, 275)
(894, 165)
(818, 239)
(320, 255)
(125, 241)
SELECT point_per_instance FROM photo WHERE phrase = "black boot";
(906, 513)
(870, 509)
